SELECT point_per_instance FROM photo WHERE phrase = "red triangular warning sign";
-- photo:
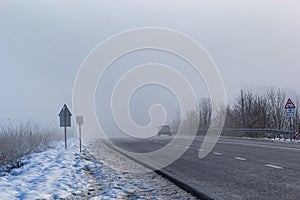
(289, 104)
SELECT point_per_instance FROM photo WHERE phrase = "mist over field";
(253, 43)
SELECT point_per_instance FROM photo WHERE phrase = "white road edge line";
(273, 166)
(239, 158)
(217, 153)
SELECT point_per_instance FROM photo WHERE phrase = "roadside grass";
(16, 142)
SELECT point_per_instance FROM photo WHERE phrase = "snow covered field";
(66, 174)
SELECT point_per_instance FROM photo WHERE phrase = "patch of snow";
(52, 174)
(67, 174)
(142, 184)
(287, 140)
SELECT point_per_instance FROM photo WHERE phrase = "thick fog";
(42, 45)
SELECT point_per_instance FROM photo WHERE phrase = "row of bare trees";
(261, 110)
(249, 110)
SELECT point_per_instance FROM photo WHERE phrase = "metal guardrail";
(254, 133)
(258, 133)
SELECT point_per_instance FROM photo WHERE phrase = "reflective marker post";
(79, 121)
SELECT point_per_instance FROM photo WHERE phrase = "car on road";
(164, 130)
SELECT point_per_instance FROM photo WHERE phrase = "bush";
(16, 142)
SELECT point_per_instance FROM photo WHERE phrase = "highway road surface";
(237, 168)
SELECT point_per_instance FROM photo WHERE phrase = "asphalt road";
(236, 168)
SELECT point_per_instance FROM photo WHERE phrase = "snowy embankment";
(67, 174)
(288, 140)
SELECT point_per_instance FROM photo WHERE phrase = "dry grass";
(16, 142)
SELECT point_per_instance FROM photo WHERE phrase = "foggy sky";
(42, 45)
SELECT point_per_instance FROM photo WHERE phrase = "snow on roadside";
(65, 174)
(284, 140)
(143, 184)
(52, 174)
(280, 140)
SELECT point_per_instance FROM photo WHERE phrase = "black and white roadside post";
(290, 111)
(79, 121)
(65, 120)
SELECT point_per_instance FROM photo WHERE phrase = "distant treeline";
(249, 109)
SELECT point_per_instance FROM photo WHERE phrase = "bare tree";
(204, 112)
(276, 100)
(249, 110)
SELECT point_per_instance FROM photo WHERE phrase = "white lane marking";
(176, 145)
(217, 153)
(254, 145)
(239, 158)
(274, 166)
